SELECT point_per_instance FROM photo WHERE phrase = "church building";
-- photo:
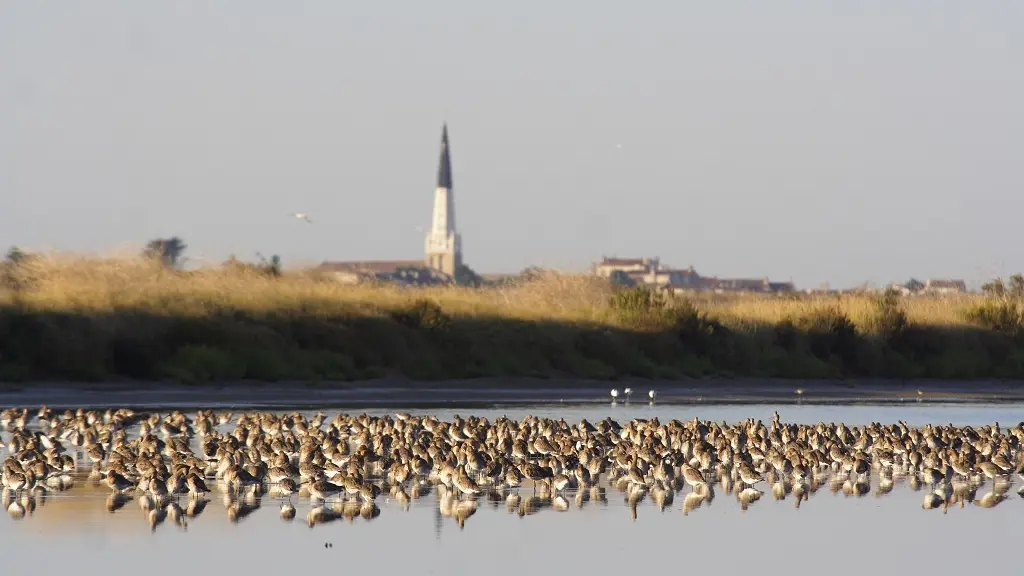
(443, 242)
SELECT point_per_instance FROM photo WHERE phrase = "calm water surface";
(834, 529)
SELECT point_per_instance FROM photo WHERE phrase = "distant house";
(944, 286)
(743, 285)
(762, 285)
(607, 266)
(646, 272)
(499, 278)
(399, 271)
(901, 289)
(782, 287)
(620, 278)
(649, 272)
(686, 279)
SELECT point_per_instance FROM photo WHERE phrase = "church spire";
(444, 168)
(444, 244)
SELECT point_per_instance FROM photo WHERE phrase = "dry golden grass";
(85, 318)
(98, 285)
(746, 310)
(87, 284)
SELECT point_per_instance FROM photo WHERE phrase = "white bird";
(302, 216)
(615, 394)
(629, 393)
(651, 394)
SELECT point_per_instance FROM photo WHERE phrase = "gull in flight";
(302, 216)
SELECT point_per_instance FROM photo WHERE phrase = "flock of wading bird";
(170, 462)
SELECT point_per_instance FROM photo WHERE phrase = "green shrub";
(696, 331)
(135, 357)
(424, 367)
(639, 306)
(831, 335)
(1004, 315)
(423, 314)
(329, 365)
(60, 345)
(890, 320)
(786, 335)
(198, 363)
(916, 343)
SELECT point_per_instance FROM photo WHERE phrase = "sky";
(840, 142)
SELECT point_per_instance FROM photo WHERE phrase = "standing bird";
(196, 485)
(693, 477)
(629, 393)
(117, 482)
(615, 394)
(748, 475)
(302, 216)
(652, 394)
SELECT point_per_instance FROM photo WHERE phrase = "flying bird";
(302, 216)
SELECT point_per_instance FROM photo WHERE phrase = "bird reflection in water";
(692, 501)
(116, 501)
(196, 506)
(748, 496)
(287, 511)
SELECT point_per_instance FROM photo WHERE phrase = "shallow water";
(834, 529)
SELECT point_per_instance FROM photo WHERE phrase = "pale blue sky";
(818, 141)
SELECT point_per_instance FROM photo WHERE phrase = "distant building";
(901, 289)
(669, 277)
(607, 266)
(649, 272)
(944, 286)
(443, 242)
(408, 271)
(762, 285)
(933, 287)
(499, 278)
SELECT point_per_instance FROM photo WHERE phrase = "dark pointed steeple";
(444, 169)
(444, 244)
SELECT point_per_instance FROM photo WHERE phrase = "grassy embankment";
(89, 319)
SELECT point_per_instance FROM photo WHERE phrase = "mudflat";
(391, 392)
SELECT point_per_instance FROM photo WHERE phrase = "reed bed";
(97, 286)
(83, 317)
(93, 285)
(741, 310)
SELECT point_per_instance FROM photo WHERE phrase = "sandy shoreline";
(482, 392)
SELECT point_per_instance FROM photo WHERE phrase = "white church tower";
(444, 244)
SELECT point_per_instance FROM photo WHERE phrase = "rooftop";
(372, 266)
